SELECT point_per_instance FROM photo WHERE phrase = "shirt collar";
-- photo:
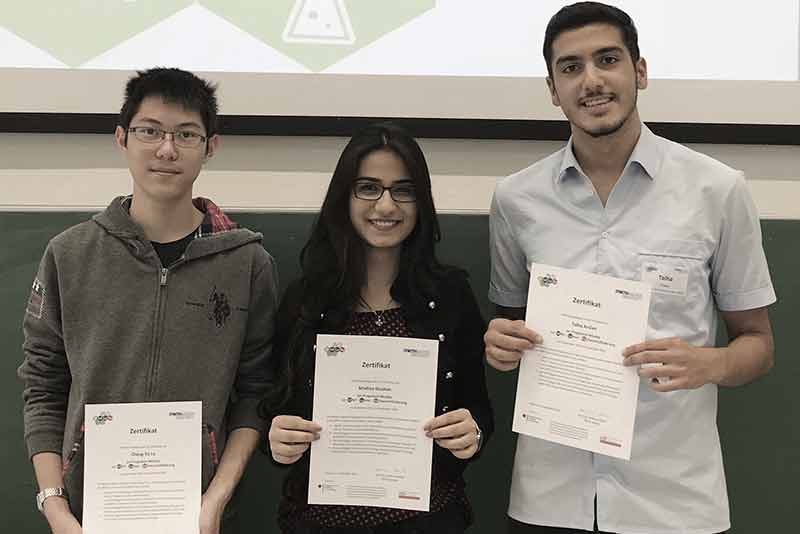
(214, 220)
(648, 153)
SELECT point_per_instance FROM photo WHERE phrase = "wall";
(267, 180)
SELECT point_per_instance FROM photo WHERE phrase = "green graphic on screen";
(59, 28)
(315, 33)
(319, 33)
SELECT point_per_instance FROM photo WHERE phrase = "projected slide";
(682, 39)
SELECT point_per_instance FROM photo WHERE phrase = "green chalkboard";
(759, 426)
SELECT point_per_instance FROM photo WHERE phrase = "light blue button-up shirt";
(672, 209)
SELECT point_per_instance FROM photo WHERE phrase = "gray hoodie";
(105, 323)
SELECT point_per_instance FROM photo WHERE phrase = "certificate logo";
(548, 280)
(334, 349)
(102, 418)
(182, 415)
(630, 295)
(419, 353)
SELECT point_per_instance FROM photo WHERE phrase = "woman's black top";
(450, 315)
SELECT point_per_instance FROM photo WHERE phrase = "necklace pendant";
(378, 321)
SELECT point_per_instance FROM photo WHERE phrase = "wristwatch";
(46, 493)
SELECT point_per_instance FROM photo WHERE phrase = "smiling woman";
(370, 268)
(383, 221)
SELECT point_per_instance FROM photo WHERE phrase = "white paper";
(372, 396)
(572, 388)
(142, 468)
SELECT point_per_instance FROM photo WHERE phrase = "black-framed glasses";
(153, 134)
(369, 190)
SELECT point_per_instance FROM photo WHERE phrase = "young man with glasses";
(159, 297)
(619, 200)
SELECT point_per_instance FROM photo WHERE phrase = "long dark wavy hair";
(333, 261)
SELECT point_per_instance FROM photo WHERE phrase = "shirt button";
(441, 338)
(321, 315)
(444, 408)
(605, 235)
(448, 375)
(432, 304)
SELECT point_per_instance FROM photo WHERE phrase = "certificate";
(142, 468)
(572, 388)
(372, 396)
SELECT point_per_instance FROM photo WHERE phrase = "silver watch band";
(46, 493)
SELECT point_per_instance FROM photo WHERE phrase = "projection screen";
(709, 61)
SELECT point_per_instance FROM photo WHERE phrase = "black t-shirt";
(170, 252)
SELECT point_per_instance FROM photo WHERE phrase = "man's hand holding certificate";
(573, 388)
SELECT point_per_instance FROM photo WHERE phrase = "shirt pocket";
(677, 271)
(673, 267)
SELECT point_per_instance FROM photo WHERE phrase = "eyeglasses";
(181, 138)
(369, 190)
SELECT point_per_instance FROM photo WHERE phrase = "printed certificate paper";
(142, 468)
(372, 396)
(573, 388)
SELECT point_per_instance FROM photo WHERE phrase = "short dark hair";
(582, 14)
(175, 86)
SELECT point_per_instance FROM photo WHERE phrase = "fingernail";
(539, 339)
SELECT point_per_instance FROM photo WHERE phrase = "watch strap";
(46, 493)
(478, 436)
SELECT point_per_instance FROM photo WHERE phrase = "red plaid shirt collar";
(214, 220)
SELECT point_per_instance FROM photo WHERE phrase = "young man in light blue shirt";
(616, 200)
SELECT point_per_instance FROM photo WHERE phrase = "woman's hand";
(455, 431)
(290, 436)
